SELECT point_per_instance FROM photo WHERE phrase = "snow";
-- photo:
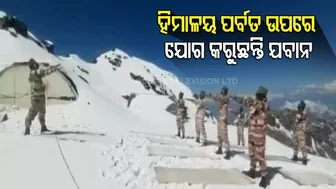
(113, 53)
(120, 52)
(2, 14)
(282, 128)
(49, 42)
(32, 36)
(26, 156)
(36, 161)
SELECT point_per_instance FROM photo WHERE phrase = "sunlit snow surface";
(118, 160)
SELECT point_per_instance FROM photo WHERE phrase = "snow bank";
(90, 101)
(102, 109)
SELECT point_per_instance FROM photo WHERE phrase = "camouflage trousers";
(249, 142)
(38, 106)
(222, 134)
(299, 141)
(240, 135)
(180, 125)
(200, 129)
(257, 141)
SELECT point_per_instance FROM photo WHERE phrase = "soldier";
(259, 110)
(38, 97)
(180, 116)
(240, 123)
(299, 133)
(222, 131)
(199, 122)
(248, 101)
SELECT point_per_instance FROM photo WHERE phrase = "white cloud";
(311, 86)
(270, 96)
(275, 95)
(331, 87)
(327, 88)
(315, 107)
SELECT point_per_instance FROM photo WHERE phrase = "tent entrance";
(15, 88)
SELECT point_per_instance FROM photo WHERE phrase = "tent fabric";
(15, 88)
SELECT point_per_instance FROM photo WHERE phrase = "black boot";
(250, 173)
(219, 151)
(227, 155)
(295, 158)
(183, 136)
(27, 131)
(263, 182)
(205, 143)
(198, 140)
(304, 161)
(44, 129)
(178, 134)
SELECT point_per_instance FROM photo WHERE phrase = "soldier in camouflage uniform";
(299, 133)
(247, 101)
(259, 110)
(38, 97)
(240, 123)
(180, 116)
(199, 122)
(222, 131)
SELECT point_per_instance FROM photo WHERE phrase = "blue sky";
(89, 28)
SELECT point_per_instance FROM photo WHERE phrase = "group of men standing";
(256, 121)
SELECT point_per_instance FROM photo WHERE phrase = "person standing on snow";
(222, 131)
(258, 114)
(299, 133)
(240, 123)
(246, 101)
(38, 96)
(199, 122)
(180, 115)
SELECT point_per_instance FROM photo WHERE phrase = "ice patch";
(178, 152)
(308, 177)
(201, 176)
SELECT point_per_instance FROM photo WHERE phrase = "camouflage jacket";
(223, 101)
(240, 120)
(258, 111)
(300, 123)
(200, 113)
(180, 109)
(37, 87)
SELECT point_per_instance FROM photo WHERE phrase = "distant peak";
(49, 42)
(120, 52)
(115, 52)
(2, 14)
(73, 56)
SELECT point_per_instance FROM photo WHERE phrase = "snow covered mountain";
(101, 142)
